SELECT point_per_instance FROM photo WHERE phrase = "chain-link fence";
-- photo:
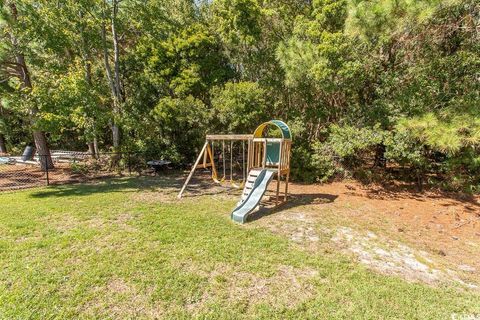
(60, 167)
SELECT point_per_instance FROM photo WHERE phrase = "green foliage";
(323, 160)
(358, 81)
(189, 62)
(181, 126)
(376, 20)
(297, 58)
(330, 14)
(238, 21)
(240, 107)
(79, 168)
(403, 148)
(346, 148)
(348, 141)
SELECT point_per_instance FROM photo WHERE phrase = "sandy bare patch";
(442, 227)
(96, 223)
(123, 220)
(121, 299)
(391, 257)
(119, 286)
(153, 197)
(64, 223)
(289, 286)
(300, 227)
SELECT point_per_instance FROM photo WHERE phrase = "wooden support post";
(286, 185)
(193, 170)
(264, 163)
(212, 161)
(278, 190)
(279, 172)
(250, 156)
(205, 159)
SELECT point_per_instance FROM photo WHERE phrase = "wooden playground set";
(265, 155)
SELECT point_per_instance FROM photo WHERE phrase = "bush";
(351, 144)
(239, 107)
(182, 126)
(324, 162)
(303, 168)
(79, 168)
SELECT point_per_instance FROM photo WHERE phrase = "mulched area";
(446, 225)
(23, 176)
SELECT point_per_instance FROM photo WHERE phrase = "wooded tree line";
(362, 83)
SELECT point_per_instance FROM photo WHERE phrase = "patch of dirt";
(67, 223)
(391, 257)
(119, 286)
(22, 176)
(154, 197)
(120, 299)
(64, 223)
(202, 184)
(122, 220)
(289, 286)
(444, 226)
(300, 227)
(96, 223)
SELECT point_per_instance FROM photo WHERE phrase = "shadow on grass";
(202, 184)
(295, 200)
(109, 185)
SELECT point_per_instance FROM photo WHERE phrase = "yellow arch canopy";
(278, 123)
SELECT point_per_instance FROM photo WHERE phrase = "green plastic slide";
(255, 188)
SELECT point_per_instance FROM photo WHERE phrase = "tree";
(3, 144)
(14, 65)
(110, 17)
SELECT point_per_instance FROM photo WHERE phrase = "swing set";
(208, 155)
(262, 158)
(227, 143)
(258, 151)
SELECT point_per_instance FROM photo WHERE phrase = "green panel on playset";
(273, 152)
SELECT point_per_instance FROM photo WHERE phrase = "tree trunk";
(86, 56)
(380, 161)
(115, 136)
(419, 179)
(113, 78)
(26, 83)
(42, 150)
(116, 53)
(88, 79)
(3, 146)
(91, 149)
(95, 147)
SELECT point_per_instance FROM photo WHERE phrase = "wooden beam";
(270, 139)
(193, 170)
(212, 162)
(245, 137)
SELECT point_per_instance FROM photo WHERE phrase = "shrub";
(239, 106)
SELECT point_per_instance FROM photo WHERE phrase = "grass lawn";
(125, 249)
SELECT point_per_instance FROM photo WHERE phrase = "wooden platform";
(245, 137)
